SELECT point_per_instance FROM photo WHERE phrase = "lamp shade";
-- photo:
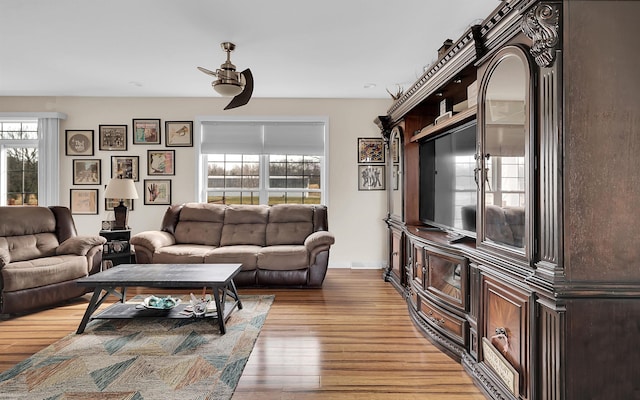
(121, 189)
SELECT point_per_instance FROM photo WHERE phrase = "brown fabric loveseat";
(280, 245)
(41, 256)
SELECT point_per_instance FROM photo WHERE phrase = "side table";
(117, 250)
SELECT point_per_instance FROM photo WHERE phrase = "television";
(448, 191)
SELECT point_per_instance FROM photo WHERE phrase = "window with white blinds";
(264, 162)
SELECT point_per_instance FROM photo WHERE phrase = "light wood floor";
(352, 339)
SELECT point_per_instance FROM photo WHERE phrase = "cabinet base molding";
(481, 375)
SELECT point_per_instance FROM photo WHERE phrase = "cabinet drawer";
(450, 324)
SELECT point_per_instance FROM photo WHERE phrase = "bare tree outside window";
(21, 160)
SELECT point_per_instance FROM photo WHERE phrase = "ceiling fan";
(231, 83)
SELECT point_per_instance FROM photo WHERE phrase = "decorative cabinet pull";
(501, 333)
(431, 316)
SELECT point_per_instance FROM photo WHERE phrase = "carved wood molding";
(541, 25)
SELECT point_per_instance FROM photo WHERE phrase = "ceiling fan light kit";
(231, 83)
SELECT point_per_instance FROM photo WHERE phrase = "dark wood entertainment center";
(532, 279)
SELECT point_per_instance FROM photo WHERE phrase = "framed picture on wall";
(125, 167)
(112, 137)
(87, 172)
(371, 177)
(146, 131)
(157, 191)
(395, 149)
(395, 176)
(79, 143)
(83, 201)
(370, 150)
(161, 162)
(178, 133)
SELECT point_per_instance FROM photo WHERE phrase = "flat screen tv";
(448, 191)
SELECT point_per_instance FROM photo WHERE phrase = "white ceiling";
(295, 48)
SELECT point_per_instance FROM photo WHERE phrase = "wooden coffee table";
(218, 277)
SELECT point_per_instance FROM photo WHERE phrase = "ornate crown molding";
(541, 25)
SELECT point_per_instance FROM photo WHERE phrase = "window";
(263, 162)
(19, 149)
(29, 172)
(507, 185)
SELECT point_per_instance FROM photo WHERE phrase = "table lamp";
(120, 189)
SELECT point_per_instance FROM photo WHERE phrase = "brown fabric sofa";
(280, 245)
(41, 256)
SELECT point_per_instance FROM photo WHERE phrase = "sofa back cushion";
(28, 247)
(245, 224)
(200, 223)
(27, 232)
(289, 224)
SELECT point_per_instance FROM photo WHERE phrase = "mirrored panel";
(395, 163)
(505, 152)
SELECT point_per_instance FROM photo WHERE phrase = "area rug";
(140, 359)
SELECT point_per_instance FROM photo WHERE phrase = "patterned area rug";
(139, 359)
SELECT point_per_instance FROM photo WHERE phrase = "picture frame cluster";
(87, 167)
(371, 164)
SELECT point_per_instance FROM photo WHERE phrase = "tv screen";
(448, 191)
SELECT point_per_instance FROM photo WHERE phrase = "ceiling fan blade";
(244, 97)
(208, 72)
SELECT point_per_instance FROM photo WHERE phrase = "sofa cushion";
(200, 223)
(289, 224)
(496, 225)
(283, 257)
(80, 245)
(247, 255)
(26, 247)
(26, 220)
(181, 254)
(245, 224)
(43, 271)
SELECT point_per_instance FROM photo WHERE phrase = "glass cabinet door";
(394, 164)
(505, 147)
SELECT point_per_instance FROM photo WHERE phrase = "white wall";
(355, 217)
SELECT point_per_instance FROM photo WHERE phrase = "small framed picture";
(161, 162)
(371, 177)
(395, 176)
(178, 133)
(146, 131)
(395, 150)
(79, 143)
(370, 150)
(157, 191)
(112, 137)
(110, 203)
(87, 172)
(125, 167)
(83, 201)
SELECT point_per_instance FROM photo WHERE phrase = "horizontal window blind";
(305, 138)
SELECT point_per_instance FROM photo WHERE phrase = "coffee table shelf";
(134, 310)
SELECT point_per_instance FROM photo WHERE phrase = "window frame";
(202, 158)
(48, 144)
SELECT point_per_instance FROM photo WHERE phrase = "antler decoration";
(399, 92)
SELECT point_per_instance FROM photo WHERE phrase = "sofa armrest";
(5, 257)
(80, 245)
(319, 240)
(153, 240)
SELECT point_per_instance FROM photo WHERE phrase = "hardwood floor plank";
(352, 339)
